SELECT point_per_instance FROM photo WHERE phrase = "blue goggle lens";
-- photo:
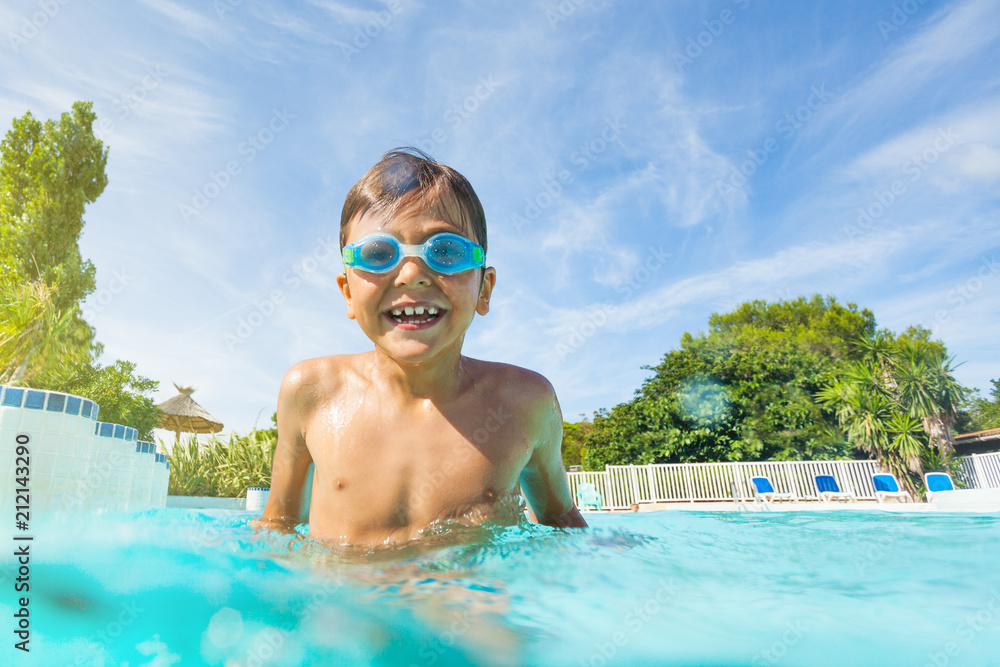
(378, 252)
(444, 253)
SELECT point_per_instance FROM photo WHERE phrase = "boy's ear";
(486, 289)
(345, 289)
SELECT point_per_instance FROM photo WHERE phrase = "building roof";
(978, 442)
(988, 434)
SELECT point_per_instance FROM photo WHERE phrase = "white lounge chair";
(937, 481)
(886, 486)
(764, 491)
(829, 490)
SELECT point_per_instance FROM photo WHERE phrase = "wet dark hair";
(407, 176)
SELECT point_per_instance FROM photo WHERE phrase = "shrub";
(222, 468)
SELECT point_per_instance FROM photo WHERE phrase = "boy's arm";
(543, 479)
(291, 459)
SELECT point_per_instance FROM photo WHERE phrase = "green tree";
(49, 172)
(574, 437)
(986, 412)
(741, 392)
(119, 392)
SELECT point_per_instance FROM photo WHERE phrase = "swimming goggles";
(445, 253)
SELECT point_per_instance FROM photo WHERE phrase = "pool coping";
(206, 503)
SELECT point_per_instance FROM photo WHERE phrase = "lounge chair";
(763, 491)
(937, 481)
(829, 490)
(588, 496)
(886, 486)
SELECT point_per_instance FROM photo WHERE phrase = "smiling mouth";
(415, 314)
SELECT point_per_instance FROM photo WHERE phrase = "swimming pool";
(162, 587)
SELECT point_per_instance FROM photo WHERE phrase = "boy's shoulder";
(321, 373)
(513, 384)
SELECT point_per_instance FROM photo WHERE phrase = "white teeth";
(430, 311)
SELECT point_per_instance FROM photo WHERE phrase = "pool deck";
(975, 501)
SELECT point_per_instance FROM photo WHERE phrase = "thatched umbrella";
(181, 413)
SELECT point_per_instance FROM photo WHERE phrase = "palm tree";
(896, 402)
(928, 388)
(33, 333)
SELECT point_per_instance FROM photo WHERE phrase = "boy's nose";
(412, 272)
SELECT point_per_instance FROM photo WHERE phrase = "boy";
(413, 432)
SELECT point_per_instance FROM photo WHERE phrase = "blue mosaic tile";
(119, 431)
(73, 405)
(12, 397)
(107, 429)
(57, 403)
(97, 410)
(131, 434)
(35, 399)
(86, 409)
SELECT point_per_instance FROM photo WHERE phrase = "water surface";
(185, 587)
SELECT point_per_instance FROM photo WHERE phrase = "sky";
(642, 165)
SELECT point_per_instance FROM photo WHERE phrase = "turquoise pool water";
(164, 587)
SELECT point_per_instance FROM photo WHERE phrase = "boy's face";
(378, 301)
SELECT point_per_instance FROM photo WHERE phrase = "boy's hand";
(282, 525)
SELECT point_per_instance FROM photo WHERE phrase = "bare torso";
(387, 466)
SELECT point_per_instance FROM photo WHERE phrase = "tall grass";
(222, 468)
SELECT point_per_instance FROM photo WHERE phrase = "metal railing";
(621, 486)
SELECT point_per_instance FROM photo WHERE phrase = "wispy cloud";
(188, 20)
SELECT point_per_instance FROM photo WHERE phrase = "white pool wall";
(76, 462)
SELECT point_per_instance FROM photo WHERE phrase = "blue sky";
(642, 165)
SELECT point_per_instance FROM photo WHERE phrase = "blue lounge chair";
(588, 496)
(829, 490)
(886, 486)
(937, 481)
(764, 492)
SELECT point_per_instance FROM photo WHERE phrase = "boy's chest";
(465, 448)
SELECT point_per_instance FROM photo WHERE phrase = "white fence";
(981, 471)
(620, 486)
